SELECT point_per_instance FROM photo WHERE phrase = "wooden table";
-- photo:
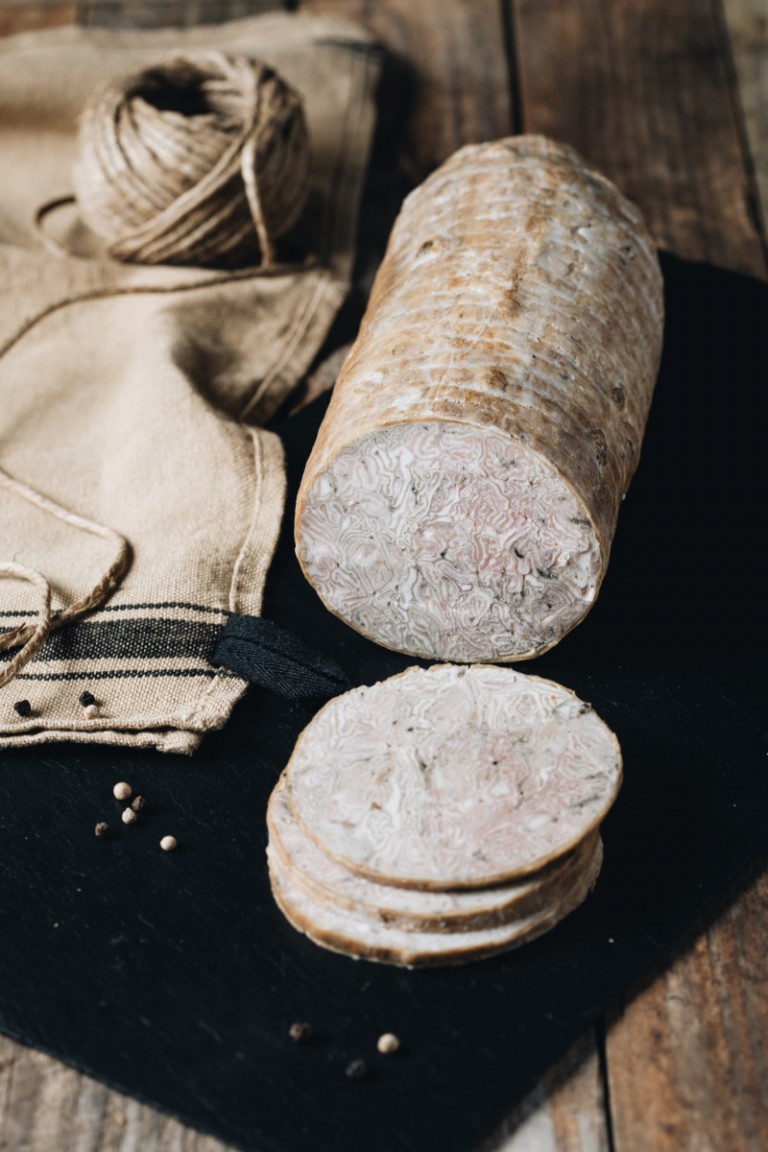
(670, 99)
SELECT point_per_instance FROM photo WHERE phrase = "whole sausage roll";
(462, 496)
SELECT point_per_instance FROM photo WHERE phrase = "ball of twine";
(201, 159)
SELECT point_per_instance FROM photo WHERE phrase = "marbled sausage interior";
(456, 541)
(441, 815)
(453, 776)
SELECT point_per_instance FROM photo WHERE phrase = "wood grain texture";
(688, 1056)
(446, 84)
(29, 17)
(47, 1107)
(641, 88)
(456, 65)
(747, 28)
(564, 1113)
(160, 13)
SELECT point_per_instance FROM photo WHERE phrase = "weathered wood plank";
(747, 26)
(446, 84)
(641, 88)
(688, 1056)
(29, 17)
(564, 1113)
(458, 69)
(47, 1107)
(167, 13)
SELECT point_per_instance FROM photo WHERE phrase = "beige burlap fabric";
(132, 398)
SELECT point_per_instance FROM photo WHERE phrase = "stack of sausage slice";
(443, 815)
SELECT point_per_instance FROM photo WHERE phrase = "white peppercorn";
(388, 1043)
(300, 1032)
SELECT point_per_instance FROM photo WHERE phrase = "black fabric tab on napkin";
(273, 658)
(175, 978)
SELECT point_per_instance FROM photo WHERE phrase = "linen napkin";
(137, 481)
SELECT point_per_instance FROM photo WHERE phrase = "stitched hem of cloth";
(169, 732)
(249, 573)
(143, 667)
(176, 740)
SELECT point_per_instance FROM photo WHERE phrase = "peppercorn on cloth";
(139, 490)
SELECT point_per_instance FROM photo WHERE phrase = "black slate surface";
(174, 978)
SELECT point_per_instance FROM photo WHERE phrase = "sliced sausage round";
(359, 935)
(324, 880)
(453, 777)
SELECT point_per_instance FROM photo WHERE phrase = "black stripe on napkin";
(143, 639)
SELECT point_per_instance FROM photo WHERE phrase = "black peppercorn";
(356, 1069)
(102, 830)
(138, 803)
(87, 698)
(23, 708)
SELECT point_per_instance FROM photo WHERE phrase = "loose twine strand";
(202, 160)
(33, 636)
(37, 633)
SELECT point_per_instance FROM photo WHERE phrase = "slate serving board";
(174, 977)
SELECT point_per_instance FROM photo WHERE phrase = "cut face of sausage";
(453, 777)
(359, 935)
(325, 881)
(457, 542)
